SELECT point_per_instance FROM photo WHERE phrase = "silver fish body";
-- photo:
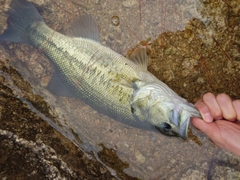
(107, 81)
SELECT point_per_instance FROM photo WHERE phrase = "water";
(118, 147)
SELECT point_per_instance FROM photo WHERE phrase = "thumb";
(203, 126)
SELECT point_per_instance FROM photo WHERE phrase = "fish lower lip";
(175, 117)
(184, 129)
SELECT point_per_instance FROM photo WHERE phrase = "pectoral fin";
(57, 87)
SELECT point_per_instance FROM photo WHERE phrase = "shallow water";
(138, 153)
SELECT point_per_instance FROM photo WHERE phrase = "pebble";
(140, 157)
(129, 3)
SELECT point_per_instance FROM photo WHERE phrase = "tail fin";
(22, 15)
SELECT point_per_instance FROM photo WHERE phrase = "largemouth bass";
(120, 88)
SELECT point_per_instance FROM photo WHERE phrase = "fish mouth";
(183, 131)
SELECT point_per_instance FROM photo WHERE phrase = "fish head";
(175, 121)
(164, 109)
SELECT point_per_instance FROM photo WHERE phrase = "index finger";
(210, 100)
(204, 110)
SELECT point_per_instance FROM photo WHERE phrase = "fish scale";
(89, 73)
(104, 79)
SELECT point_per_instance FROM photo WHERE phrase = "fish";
(119, 87)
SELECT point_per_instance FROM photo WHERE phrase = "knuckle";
(236, 105)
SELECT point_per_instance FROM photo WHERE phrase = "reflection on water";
(121, 148)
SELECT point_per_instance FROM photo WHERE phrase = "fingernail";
(207, 117)
(204, 92)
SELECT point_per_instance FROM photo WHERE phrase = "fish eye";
(165, 127)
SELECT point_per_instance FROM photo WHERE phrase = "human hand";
(221, 120)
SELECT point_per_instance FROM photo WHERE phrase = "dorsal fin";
(139, 56)
(85, 27)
